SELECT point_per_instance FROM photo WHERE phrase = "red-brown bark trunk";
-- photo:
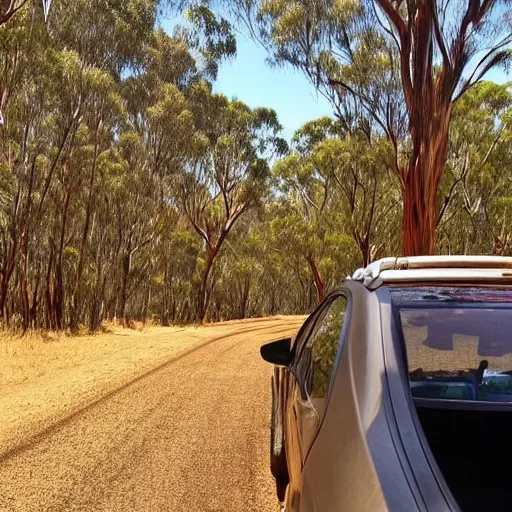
(319, 283)
(419, 217)
(421, 187)
(203, 297)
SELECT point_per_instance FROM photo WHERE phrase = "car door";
(314, 357)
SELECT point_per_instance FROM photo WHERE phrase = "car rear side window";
(319, 353)
(458, 344)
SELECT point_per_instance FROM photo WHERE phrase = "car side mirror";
(277, 352)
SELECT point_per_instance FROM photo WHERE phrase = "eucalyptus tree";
(366, 190)
(477, 179)
(402, 65)
(112, 35)
(61, 113)
(343, 175)
(287, 285)
(238, 270)
(444, 50)
(23, 139)
(245, 271)
(102, 107)
(308, 226)
(226, 174)
(129, 190)
(72, 88)
(211, 35)
(154, 155)
(158, 134)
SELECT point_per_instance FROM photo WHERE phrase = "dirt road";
(190, 436)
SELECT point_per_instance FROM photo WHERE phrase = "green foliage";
(476, 185)
(212, 36)
(130, 189)
(125, 173)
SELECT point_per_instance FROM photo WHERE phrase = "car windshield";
(458, 342)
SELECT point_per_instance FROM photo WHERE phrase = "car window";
(459, 351)
(308, 326)
(317, 356)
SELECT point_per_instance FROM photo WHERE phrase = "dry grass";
(190, 437)
(38, 353)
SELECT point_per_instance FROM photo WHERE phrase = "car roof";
(436, 269)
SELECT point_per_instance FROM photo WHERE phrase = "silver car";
(396, 393)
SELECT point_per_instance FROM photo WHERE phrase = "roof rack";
(438, 268)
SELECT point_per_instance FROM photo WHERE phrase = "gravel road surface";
(190, 436)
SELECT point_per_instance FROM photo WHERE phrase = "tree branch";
(495, 60)
(439, 36)
(394, 17)
(364, 102)
(11, 11)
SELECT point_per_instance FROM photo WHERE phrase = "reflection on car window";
(457, 352)
(321, 348)
(313, 369)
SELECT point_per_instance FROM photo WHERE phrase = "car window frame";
(403, 418)
(308, 326)
(319, 312)
(342, 341)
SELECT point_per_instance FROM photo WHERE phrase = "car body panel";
(359, 425)
(330, 481)
(299, 416)
(362, 448)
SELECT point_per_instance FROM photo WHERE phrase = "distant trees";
(344, 175)
(476, 189)
(228, 175)
(114, 152)
(128, 189)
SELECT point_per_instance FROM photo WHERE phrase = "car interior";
(473, 450)
(459, 370)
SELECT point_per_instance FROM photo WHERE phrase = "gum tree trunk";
(421, 201)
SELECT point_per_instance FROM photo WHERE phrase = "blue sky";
(250, 79)
(288, 92)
